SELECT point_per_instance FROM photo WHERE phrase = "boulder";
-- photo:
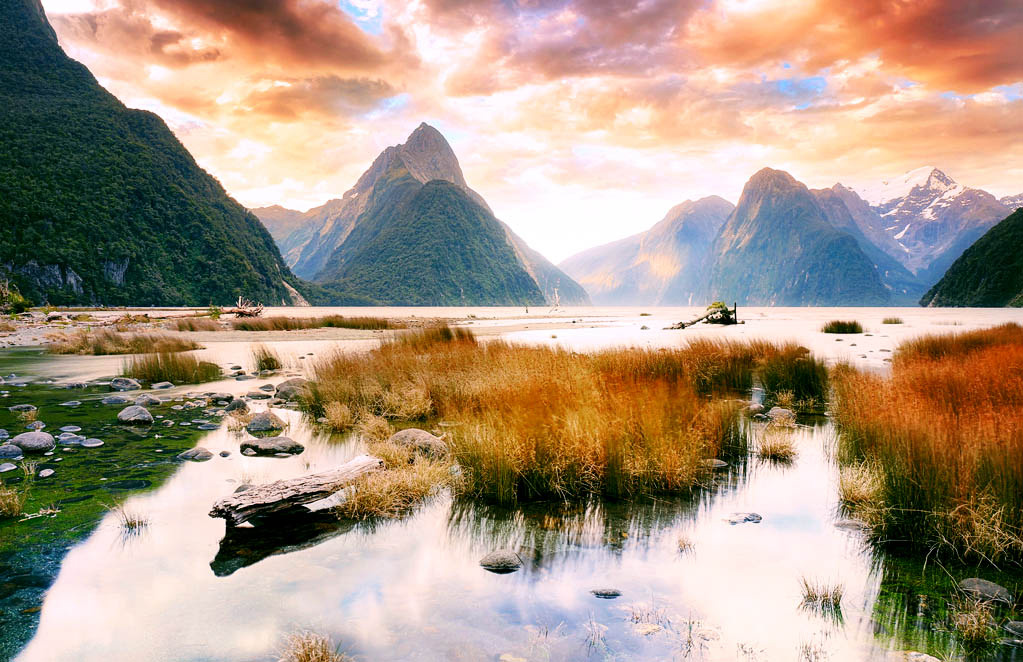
(124, 384)
(115, 400)
(742, 518)
(197, 454)
(135, 415)
(982, 589)
(222, 397)
(146, 400)
(287, 393)
(162, 385)
(258, 395)
(606, 593)
(34, 442)
(272, 446)
(755, 408)
(269, 388)
(420, 441)
(11, 452)
(237, 405)
(781, 415)
(265, 421)
(501, 562)
(21, 408)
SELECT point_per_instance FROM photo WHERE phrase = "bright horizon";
(579, 122)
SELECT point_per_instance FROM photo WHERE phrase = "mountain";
(778, 248)
(102, 204)
(328, 243)
(931, 218)
(1012, 201)
(663, 266)
(989, 273)
(835, 202)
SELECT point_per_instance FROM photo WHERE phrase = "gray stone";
(198, 454)
(501, 561)
(135, 415)
(982, 589)
(420, 441)
(243, 378)
(11, 452)
(236, 367)
(22, 408)
(34, 442)
(75, 385)
(781, 415)
(208, 426)
(46, 473)
(4, 433)
(70, 403)
(70, 428)
(755, 408)
(272, 446)
(92, 443)
(146, 400)
(269, 388)
(225, 453)
(606, 593)
(237, 405)
(124, 384)
(159, 386)
(289, 393)
(248, 451)
(741, 518)
(7, 466)
(223, 397)
(115, 400)
(35, 425)
(258, 395)
(1015, 628)
(265, 421)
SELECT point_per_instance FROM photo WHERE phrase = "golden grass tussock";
(394, 492)
(821, 596)
(299, 323)
(892, 320)
(175, 368)
(534, 423)
(104, 342)
(943, 438)
(776, 443)
(12, 502)
(195, 324)
(973, 622)
(311, 647)
(264, 358)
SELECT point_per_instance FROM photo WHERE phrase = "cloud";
(326, 96)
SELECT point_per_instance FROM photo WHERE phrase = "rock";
(740, 518)
(92, 443)
(248, 451)
(135, 415)
(237, 405)
(265, 421)
(236, 367)
(124, 384)
(420, 441)
(197, 454)
(208, 426)
(159, 386)
(55, 316)
(269, 388)
(755, 408)
(257, 395)
(223, 397)
(912, 656)
(781, 415)
(70, 439)
(70, 403)
(272, 446)
(35, 425)
(145, 400)
(46, 473)
(11, 452)
(501, 562)
(299, 382)
(115, 400)
(243, 378)
(982, 589)
(606, 593)
(71, 428)
(34, 442)
(4, 433)
(287, 393)
(715, 463)
(21, 408)
(225, 453)
(7, 466)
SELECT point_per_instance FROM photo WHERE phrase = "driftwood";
(245, 308)
(717, 313)
(281, 495)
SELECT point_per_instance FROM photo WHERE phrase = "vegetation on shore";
(892, 320)
(104, 341)
(174, 368)
(842, 326)
(311, 647)
(195, 324)
(536, 423)
(265, 358)
(934, 452)
(328, 321)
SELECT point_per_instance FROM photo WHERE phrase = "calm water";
(413, 589)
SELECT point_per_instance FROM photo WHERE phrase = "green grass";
(842, 326)
(174, 368)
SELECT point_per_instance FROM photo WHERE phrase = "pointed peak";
(426, 136)
(770, 176)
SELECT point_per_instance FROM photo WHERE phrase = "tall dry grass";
(298, 323)
(534, 423)
(175, 368)
(104, 342)
(195, 324)
(942, 436)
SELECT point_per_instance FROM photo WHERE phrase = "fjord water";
(413, 590)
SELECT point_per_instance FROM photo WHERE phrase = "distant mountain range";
(786, 245)
(100, 204)
(412, 232)
(989, 273)
(1013, 202)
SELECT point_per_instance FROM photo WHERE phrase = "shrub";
(840, 326)
(176, 368)
(105, 341)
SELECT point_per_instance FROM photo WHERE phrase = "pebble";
(7, 466)
(92, 443)
(606, 593)
(46, 473)
(741, 518)
(71, 428)
(70, 403)
(197, 454)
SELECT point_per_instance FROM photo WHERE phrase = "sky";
(580, 122)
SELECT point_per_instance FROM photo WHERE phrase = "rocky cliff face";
(102, 204)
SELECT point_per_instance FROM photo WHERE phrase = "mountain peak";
(427, 155)
(928, 177)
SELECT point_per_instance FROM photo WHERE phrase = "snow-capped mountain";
(929, 219)
(1012, 201)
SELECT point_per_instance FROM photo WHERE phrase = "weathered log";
(263, 500)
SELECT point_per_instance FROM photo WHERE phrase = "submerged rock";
(606, 593)
(265, 421)
(7, 466)
(70, 428)
(197, 454)
(124, 384)
(21, 408)
(11, 452)
(162, 385)
(147, 401)
(135, 415)
(781, 415)
(501, 562)
(715, 463)
(741, 518)
(92, 443)
(257, 395)
(35, 425)
(985, 590)
(237, 405)
(420, 441)
(272, 446)
(34, 442)
(115, 400)
(70, 403)
(46, 473)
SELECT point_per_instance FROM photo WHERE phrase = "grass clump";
(973, 623)
(196, 324)
(12, 502)
(822, 597)
(265, 358)
(394, 492)
(842, 326)
(776, 444)
(299, 323)
(105, 342)
(311, 647)
(795, 379)
(892, 320)
(538, 423)
(175, 368)
(943, 439)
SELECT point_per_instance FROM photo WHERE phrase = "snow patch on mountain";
(898, 187)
